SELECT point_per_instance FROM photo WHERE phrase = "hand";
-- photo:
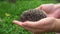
(43, 25)
(52, 10)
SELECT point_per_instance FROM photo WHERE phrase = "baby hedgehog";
(32, 15)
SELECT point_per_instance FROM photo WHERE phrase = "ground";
(12, 11)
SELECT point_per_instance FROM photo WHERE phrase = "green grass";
(12, 11)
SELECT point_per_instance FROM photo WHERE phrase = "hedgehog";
(32, 15)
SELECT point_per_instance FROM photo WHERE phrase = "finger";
(26, 24)
(18, 22)
(30, 24)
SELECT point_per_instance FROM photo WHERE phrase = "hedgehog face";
(33, 15)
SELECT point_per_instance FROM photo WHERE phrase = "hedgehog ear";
(44, 12)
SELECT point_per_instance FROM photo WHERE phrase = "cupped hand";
(43, 25)
(52, 10)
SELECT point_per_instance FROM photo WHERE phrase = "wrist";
(57, 25)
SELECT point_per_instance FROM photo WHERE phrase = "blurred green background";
(11, 10)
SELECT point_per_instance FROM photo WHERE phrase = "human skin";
(48, 24)
(52, 10)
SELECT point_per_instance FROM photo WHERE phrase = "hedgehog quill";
(33, 15)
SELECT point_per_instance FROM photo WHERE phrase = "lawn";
(12, 11)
